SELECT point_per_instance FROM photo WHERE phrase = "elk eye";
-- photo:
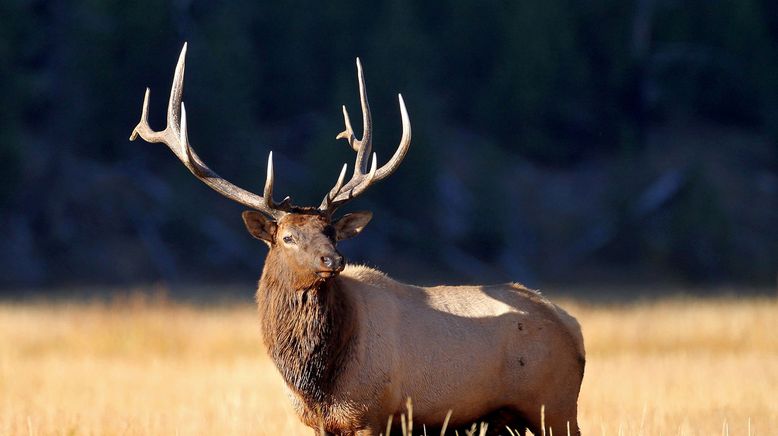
(288, 239)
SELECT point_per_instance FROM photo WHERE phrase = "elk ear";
(351, 224)
(260, 226)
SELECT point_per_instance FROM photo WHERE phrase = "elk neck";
(308, 328)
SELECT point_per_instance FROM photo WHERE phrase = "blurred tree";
(545, 123)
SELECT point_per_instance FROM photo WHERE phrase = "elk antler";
(176, 138)
(363, 177)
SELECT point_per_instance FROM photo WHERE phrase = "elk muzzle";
(330, 265)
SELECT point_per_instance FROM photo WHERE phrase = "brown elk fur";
(307, 327)
(353, 346)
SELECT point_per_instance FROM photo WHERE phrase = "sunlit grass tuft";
(139, 366)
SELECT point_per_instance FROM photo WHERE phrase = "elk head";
(305, 243)
(302, 238)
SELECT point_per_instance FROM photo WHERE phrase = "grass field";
(675, 366)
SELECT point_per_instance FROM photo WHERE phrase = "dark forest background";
(554, 141)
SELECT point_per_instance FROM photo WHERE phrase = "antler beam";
(175, 136)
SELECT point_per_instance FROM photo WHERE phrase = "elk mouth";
(327, 274)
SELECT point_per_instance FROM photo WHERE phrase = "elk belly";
(457, 363)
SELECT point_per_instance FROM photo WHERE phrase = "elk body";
(353, 344)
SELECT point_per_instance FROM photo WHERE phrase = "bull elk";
(352, 344)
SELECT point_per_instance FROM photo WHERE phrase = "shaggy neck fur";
(307, 327)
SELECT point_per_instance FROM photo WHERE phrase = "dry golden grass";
(677, 366)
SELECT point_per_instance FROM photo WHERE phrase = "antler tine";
(367, 181)
(402, 149)
(363, 146)
(176, 137)
(176, 92)
(186, 150)
(334, 191)
(348, 134)
(143, 124)
(362, 179)
(366, 143)
(269, 180)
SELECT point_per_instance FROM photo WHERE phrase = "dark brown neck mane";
(307, 326)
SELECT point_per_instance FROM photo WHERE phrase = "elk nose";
(332, 262)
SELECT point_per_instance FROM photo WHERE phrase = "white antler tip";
(145, 109)
(182, 134)
(182, 56)
(334, 192)
(403, 109)
(270, 164)
(268, 193)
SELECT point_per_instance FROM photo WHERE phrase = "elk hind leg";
(560, 421)
(498, 423)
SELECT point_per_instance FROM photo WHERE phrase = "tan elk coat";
(353, 344)
(469, 349)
